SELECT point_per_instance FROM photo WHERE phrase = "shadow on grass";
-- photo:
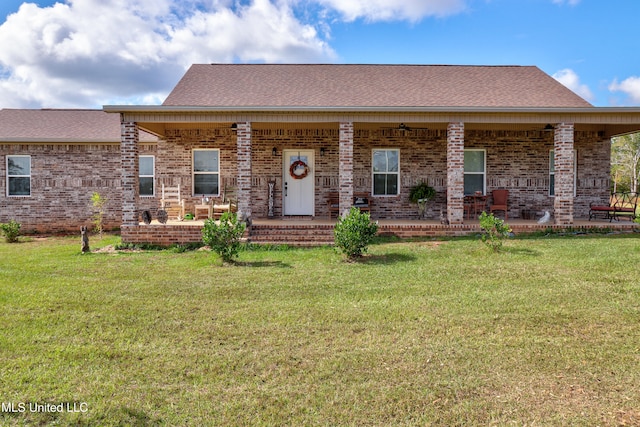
(138, 418)
(260, 264)
(386, 259)
(521, 251)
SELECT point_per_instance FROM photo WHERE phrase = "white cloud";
(630, 86)
(394, 10)
(571, 80)
(93, 52)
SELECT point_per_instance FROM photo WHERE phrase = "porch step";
(294, 235)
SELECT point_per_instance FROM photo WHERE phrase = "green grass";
(420, 333)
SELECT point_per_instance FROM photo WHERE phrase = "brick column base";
(130, 172)
(564, 170)
(455, 173)
(346, 166)
(244, 169)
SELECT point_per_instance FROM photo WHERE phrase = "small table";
(199, 208)
(474, 204)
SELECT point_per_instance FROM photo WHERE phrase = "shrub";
(494, 231)
(11, 231)
(354, 232)
(422, 191)
(223, 237)
(99, 203)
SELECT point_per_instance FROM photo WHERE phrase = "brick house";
(374, 129)
(53, 161)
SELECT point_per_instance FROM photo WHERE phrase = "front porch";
(319, 231)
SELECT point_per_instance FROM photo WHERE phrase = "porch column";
(564, 173)
(345, 173)
(455, 172)
(244, 168)
(130, 171)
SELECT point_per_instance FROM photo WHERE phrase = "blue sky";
(87, 53)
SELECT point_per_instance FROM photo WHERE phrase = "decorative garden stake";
(84, 239)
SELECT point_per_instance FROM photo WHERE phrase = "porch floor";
(319, 230)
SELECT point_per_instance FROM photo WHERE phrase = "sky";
(90, 53)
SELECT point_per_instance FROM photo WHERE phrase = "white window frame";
(552, 172)
(152, 176)
(374, 173)
(9, 176)
(484, 168)
(194, 173)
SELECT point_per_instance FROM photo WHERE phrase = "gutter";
(372, 109)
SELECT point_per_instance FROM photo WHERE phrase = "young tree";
(625, 161)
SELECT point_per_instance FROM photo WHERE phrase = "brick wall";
(516, 160)
(63, 178)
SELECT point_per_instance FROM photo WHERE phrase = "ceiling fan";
(404, 127)
(547, 128)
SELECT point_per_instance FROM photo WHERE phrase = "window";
(147, 175)
(552, 173)
(18, 175)
(206, 172)
(474, 171)
(386, 172)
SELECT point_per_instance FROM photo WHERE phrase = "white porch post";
(130, 168)
(244, 168)
(563, 160)
(345, 172)
(455, 172)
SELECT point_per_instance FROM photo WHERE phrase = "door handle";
(286, 188)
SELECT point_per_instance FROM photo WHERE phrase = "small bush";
(354, 232)
(494, 231)
(421, 191)
(11, 231)
(99, 202)
(223, 237)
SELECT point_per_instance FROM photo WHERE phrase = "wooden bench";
(620, 205)
(361, 200)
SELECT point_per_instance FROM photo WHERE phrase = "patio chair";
(228, 202)
(171, 195)
(333, 204)
(499, 202)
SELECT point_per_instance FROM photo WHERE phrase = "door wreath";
(295, 165)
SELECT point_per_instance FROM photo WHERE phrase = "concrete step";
(294, 235)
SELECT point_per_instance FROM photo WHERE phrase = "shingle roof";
(18, 125)
(272, 85)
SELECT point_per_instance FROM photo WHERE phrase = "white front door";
(298, 179)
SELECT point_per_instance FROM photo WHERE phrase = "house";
(54, 160)
(287, 137)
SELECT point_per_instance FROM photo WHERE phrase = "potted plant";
(421, 194)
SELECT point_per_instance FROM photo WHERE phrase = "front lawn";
(423, 333)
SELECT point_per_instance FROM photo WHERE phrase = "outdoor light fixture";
(234, 127)
(274, 151)
(549, 127)
(322, 151)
